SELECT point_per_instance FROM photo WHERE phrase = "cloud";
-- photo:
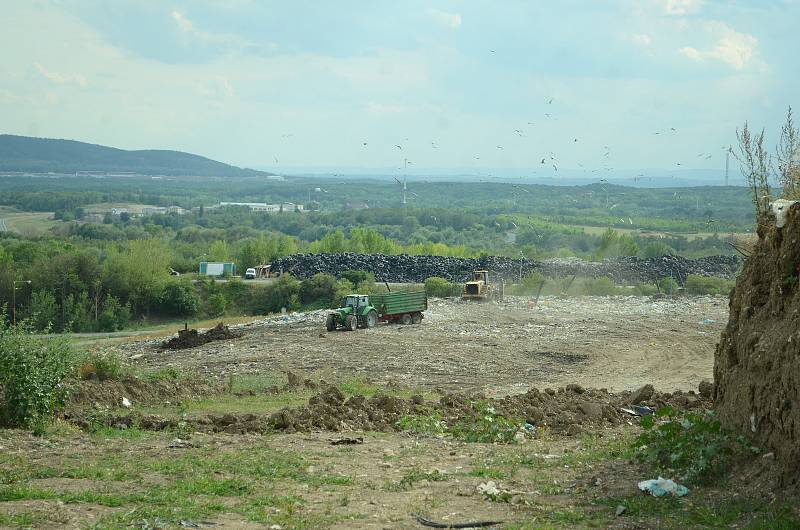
(641, 39)
(184, 24)
(60, 79)
(680, 8)
(737, 50)
(451, 20)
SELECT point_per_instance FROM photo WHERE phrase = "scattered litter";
(620, 510)
(708, 321)
(638, 410)
(347, 441)
(126, 402)
(489, 489)
(473, 524)
(189, 524)
(178, 443)
(662, 486)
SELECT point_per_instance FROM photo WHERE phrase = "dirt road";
(618, 343)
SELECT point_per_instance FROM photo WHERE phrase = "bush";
(599, 287)
(696, 284)
(284, 292)
(32, 375)
(692, 446)
(320, 287)
(114, 315)
(357, 277)
(104, 366)
(179, 299)
(441, 288)
(486, 426)
(216, 305)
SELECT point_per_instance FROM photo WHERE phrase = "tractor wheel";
(350, 323)
(405, 319)
(330, 323)
(416, 318)
(372, 319)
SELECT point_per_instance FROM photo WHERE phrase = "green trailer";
(365, 311)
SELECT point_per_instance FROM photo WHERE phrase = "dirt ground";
(618, 343)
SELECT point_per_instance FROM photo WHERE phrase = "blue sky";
(454, 84)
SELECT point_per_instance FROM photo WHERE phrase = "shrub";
(320, 287)
(32, 375)
(357, 277)
(101, 365)
(430, 424)
(599, 287)
(696, 284)
(441, 288)
(114, 315)
(693, 446)
(216, 305)
(179, 299)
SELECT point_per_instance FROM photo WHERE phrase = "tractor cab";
(479, 288)
(355, 301)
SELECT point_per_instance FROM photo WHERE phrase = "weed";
(105, 366)
(487, 472)
(692, 446)
(414, 476)
(486, 426)
(429, 424)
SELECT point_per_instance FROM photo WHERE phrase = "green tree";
(179, 299)
(44, 310)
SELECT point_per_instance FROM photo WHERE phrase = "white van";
(250, 274)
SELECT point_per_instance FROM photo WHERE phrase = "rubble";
(405, 268)
(191, 338)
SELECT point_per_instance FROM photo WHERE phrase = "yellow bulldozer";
(479, 288)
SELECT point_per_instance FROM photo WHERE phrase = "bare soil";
(617, 343)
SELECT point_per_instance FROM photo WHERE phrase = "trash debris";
(473, 524)
(638, 410)
(620, 510)
(707, 321)
(126, 402)
(189, 524)
(347, 441)
(489, 489)
(662, 486)
(177, 443)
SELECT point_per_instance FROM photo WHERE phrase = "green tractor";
(355, 311)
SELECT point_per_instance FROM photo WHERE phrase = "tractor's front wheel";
(350, 323)
(372, 319)
(330, 323)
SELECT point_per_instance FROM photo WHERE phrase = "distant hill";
(42, 155)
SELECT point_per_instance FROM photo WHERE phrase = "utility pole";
(405, 179)
(727, 162)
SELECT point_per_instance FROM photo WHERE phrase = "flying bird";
(275, 158)
(575, 140)
(543, 161)
(499, 146)
(399, 147)
(364, 143)
(550, 101)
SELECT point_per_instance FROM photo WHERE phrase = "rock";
(591, 410)
(643, 394)
(573, 430)
(706, 388)
(574, 387)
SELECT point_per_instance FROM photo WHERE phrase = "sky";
(533, 85)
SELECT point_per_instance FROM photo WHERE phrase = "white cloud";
(60, 79)
(680, 7)
(737, 50)
(641, 39)
(184, 24)
(451, 20)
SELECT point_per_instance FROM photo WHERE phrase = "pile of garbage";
(191, 338)
(404, 268)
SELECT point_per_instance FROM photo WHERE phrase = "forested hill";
(40, 155)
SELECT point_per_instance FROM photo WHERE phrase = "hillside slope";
(24, 153)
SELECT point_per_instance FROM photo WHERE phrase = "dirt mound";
(332, 411)
(191, 338)
(138, 392)
(757, 361)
